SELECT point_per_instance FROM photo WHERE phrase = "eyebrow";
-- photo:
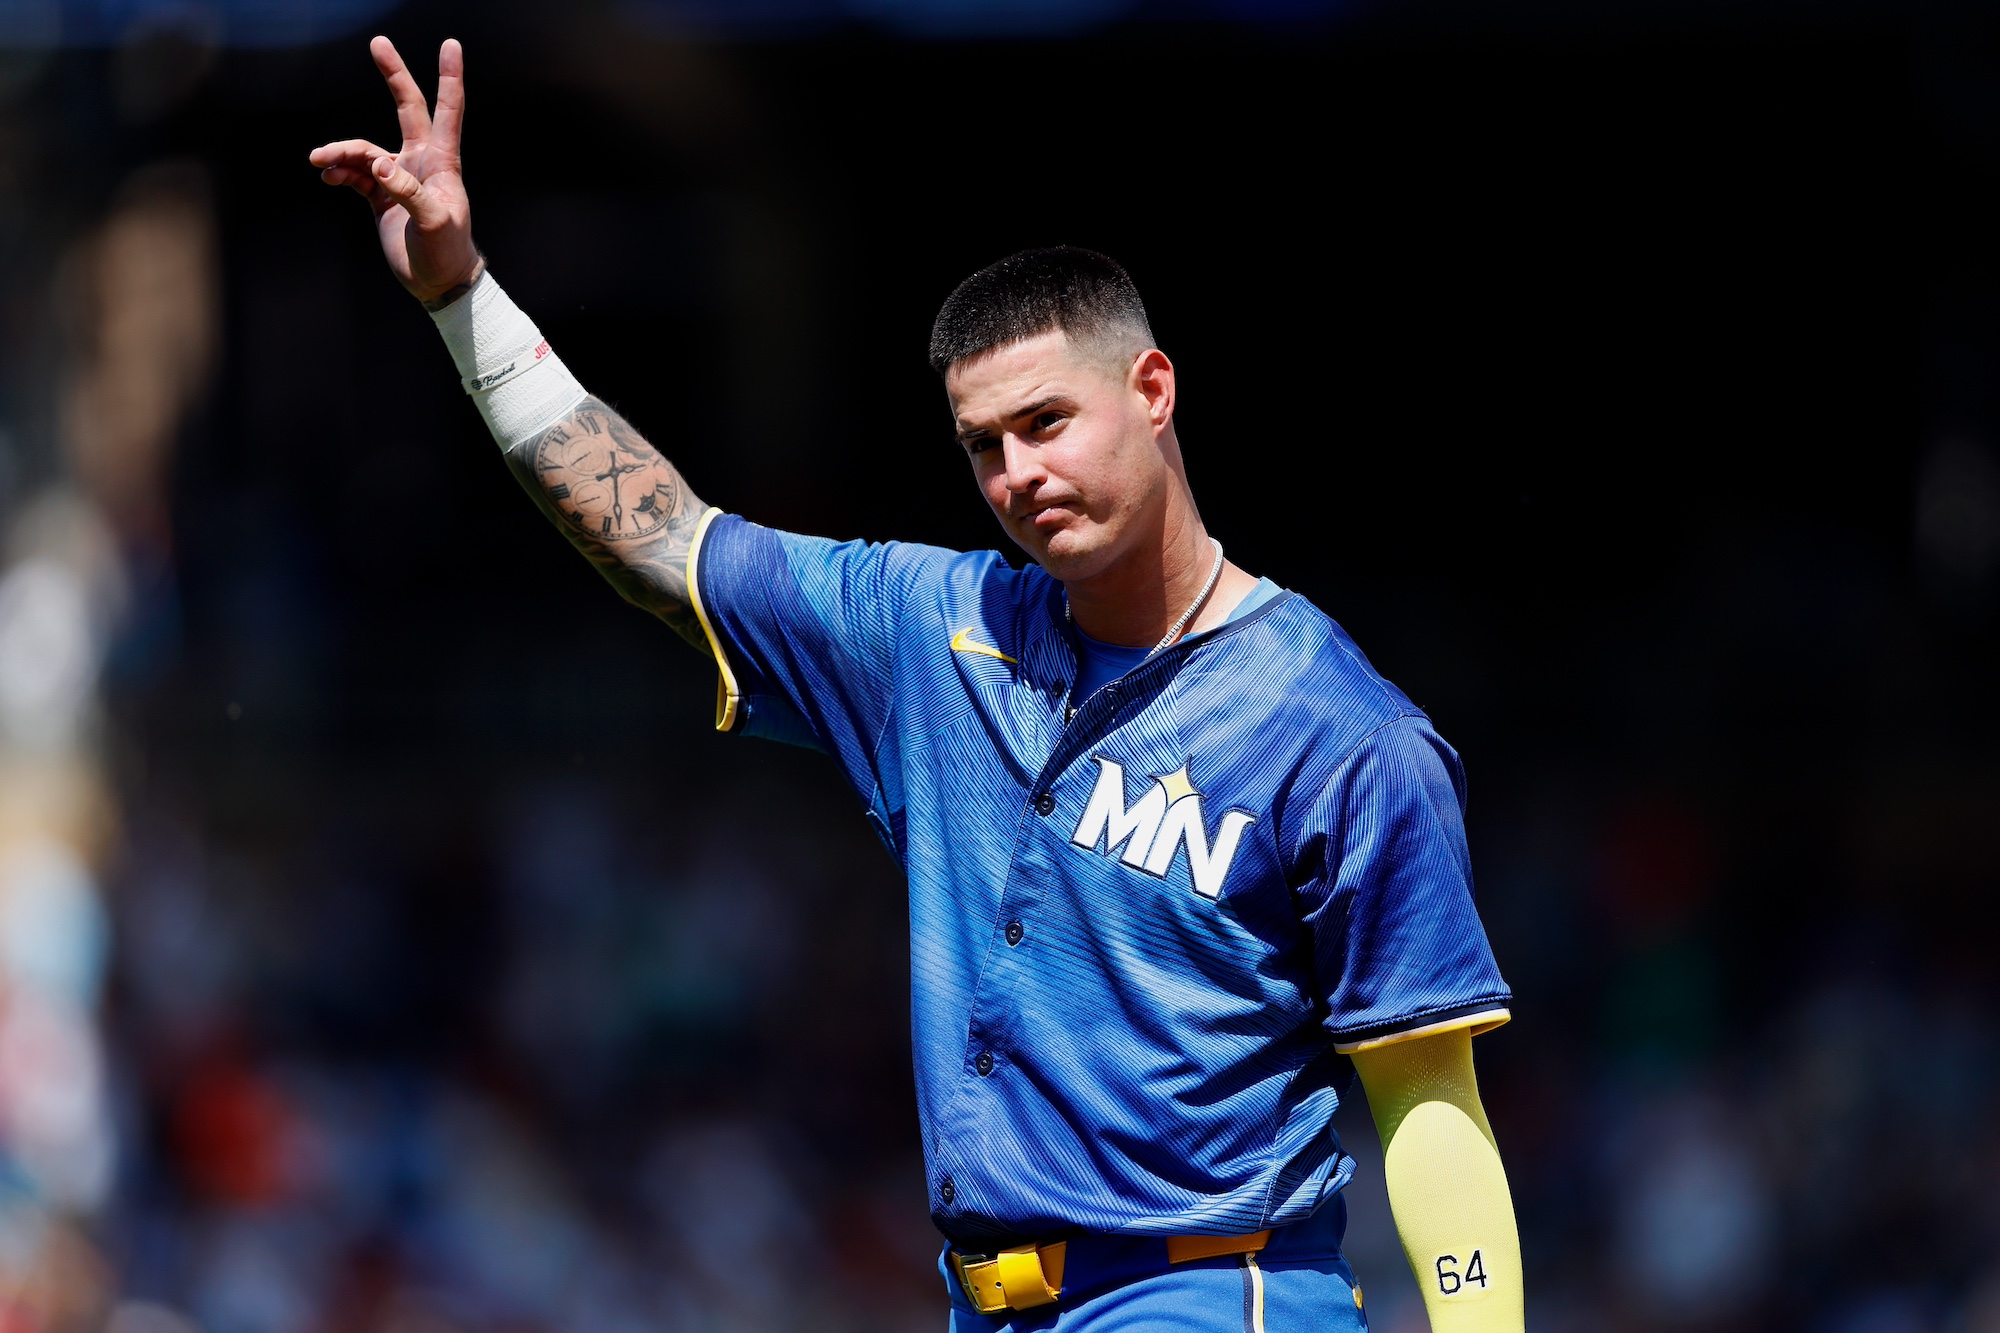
(1028, 411)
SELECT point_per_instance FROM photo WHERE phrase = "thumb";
(408, 191)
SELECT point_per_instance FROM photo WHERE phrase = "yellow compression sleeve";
(1446, 1185)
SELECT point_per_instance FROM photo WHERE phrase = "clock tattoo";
(604, 480)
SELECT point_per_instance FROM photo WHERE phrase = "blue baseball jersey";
(1142, 933)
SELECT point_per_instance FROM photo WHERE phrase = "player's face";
(1066, 448)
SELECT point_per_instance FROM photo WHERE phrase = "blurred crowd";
(567, 1076)
(387, 947)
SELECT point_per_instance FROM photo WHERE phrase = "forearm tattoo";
(619, 502)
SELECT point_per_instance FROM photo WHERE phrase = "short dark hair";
(1083, 293)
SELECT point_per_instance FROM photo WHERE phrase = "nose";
(1024, 464)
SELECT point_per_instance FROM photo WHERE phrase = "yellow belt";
(1031, 1275)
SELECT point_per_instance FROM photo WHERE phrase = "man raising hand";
(1179, 859)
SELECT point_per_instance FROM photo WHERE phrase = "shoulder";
(827, 567)
(1305, 672)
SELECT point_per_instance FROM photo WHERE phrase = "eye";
(978, 444)
(1047, 421)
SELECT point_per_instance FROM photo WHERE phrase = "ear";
(1152, 378)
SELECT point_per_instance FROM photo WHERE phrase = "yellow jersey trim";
(1483, 1021)
(728, 699)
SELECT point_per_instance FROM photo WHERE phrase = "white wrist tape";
(520, 387)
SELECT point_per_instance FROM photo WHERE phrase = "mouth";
(1050, 517)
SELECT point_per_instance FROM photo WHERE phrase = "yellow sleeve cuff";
(728, 698)
(1483, 1021)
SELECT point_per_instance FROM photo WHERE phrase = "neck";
(1137, 599)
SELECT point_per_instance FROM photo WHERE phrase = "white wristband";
(519, 386)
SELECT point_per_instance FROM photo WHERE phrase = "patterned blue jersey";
(1140, 938)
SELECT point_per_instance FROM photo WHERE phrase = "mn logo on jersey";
(1165, 819)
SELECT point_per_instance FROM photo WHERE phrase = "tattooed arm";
(612, 494)
(620, 503)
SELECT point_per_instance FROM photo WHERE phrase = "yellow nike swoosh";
(963, 642)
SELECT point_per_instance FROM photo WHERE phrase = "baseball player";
(1180, 861)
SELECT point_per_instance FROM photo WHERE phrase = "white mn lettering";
(1154, 828)
(1106, 821)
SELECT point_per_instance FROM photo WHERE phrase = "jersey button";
(984, 1063)
(947, 1191)
(1045, 805)
(1014, 933)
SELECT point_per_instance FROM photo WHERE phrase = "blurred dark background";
(387, 942)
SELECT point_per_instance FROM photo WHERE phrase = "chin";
(1072, 555)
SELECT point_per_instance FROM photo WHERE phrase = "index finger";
(412, 113)
(347, 152)
(451, 96)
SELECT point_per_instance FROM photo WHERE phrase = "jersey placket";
(1040, 839)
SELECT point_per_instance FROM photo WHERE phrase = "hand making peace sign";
(421, 212)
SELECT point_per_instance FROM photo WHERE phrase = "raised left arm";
(1447, 1188)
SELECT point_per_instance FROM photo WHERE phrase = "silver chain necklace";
(1214, 577)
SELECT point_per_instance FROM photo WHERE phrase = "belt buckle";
(990, 1301)
(1017, 1279)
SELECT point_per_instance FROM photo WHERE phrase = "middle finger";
(413, 114)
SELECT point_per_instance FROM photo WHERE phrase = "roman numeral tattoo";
(621, 503)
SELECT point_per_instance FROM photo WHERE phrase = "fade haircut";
(1083, 293)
